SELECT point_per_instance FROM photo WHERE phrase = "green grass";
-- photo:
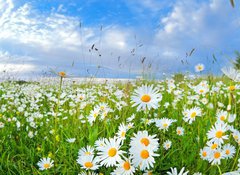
(56, 118)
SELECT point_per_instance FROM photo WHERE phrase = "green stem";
(219, 169)
(236, 159)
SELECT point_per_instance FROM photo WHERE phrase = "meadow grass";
(37, 119)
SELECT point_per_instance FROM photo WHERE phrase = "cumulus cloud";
(206, 26)
(43, 40)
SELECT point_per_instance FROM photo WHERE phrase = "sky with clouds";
(108, 38)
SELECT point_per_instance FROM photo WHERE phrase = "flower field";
(188, 126)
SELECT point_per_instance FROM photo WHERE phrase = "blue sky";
(42, 35)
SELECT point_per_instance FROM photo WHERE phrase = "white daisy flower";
(199, 67)
(229, 151)
(180, 131)
(88, 151)
(87, 162)
(45, 163)
(142, 138)
(143, 157)
(217, 133)
(110, 153)
(167, 144)
(216, 156)
(124, 167)
(205, 153)
(164, 123)
(146, 97)
(191, 114)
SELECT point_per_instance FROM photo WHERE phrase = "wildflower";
(124, 167)
(45, 163)
(62, 74)
(146, 97)
(164, 123)
(110, 153)
(142, 138)
(229, 150)
(180, 131)
(216, 157)
(89, 150)
(191, 114)
(167, 144)
(205, 153)
(199, 67)
(87, 162)
(143, 156)
(217, 133)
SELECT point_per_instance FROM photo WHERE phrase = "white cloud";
(209, 26)
(55, 40)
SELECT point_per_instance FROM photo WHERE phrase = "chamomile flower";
(100, 143)
(218, 133)
(142, 138)
(175, 172)
(122, 130)
(164, 123)
(45, 163)
(229, 151)
(146, 97)
(216, 157)
(110, 153)
(205, 153)
(222, 115)
(167, 144)
(87, 162)
(143, 157)
(124, 167)
(180, 131)
(88, 151)
(191, 114)
(199, 67)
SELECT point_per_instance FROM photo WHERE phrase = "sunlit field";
(187, 124)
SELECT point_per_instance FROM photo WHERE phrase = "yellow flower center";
(214, 146)
(219, 134)
(232, 88)
(146, 98)
(62, 74)
(88, 165)
(204, 154)
(227, 151)
(201, 91)
(217, 155)
(126, 166)
(123, 134)
(193, 115)
(144, 154)
(145, 141)
(165, 125)
(46, 165)
(222, 118)
(87, 153)
(112, 152)
(179, 132)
